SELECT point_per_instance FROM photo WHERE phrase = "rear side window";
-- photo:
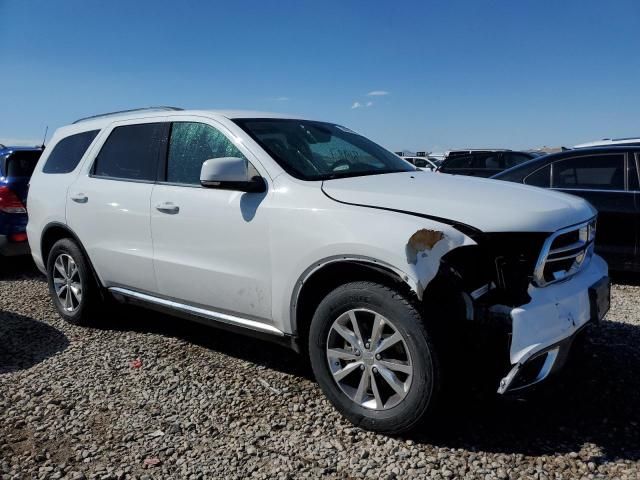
(487, 160)
(131, 152)
(595, 172)
(21, 164)
(66, 155)
(190, 145)
(540, 178)
(459, 162)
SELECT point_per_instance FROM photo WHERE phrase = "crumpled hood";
(488, 205)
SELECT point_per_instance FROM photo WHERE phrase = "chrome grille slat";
(560, 263)
(568, 248)
(566, 257)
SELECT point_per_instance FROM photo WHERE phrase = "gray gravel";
(207, 404)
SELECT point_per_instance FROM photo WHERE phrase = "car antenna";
(45, 136)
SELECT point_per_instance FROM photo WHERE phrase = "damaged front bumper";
(544, 328)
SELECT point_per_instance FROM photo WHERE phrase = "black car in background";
(608, 178)
(483, 163)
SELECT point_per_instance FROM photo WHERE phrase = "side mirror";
(230, 173)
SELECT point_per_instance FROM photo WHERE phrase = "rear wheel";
(373, 358)
(72, 286)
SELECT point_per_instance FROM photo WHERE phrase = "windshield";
(321, 151)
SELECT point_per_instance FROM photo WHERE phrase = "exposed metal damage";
(420, 241)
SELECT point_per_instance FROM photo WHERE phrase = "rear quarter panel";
(47, 199)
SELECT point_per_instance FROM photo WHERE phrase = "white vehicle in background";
(422, 163)
(310, 235)
(606, 142)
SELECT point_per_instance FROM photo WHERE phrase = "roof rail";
(144, 109)
(621, 139)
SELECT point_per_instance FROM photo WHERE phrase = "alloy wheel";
(369, 359)
(67, 282)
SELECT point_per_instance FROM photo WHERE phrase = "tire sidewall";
(67, 246)
(407, 321)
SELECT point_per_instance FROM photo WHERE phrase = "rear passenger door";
(603, 180)
(108, 204)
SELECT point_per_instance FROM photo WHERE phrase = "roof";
(4, 149)
(101, 120)
(610, 141)
(154, 111)
(479, 150)
(566, 153)
(599, 149)
(586, 150)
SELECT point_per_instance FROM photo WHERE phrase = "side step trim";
(200, 312)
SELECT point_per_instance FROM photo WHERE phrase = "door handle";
(79, 198)
(168, 207)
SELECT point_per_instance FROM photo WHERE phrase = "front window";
(540, 178)
(321, 151)
(190, 145)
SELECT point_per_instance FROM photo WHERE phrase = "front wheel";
(373, 358)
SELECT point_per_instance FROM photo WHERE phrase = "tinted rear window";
(67, 153)
(21, 164)
(458, 161)
(131, 152)
(600, 172)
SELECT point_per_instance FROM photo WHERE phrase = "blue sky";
(448, 73)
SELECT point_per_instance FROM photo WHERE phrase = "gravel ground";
(200, 403)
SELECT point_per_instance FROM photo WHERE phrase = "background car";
(422, 162)
(483, 163)
(16, 166)
(469, 151)
(608, 178)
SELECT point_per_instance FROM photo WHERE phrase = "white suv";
(308, 234)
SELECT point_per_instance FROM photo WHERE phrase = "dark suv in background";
(483, 163)
(16, 167)
(608, 178)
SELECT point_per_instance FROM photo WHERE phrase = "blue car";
(16, 166)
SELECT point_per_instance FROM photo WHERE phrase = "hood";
(488, 205)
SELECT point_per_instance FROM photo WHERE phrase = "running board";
(225, 318)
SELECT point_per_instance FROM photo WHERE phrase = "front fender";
(411, 248)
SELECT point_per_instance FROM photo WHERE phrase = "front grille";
(564, 253)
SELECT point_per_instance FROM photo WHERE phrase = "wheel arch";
(325, 275)
(55, 231)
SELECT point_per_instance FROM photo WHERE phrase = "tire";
(85, 297)
(382, 410)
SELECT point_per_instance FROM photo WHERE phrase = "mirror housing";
(230, 173)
